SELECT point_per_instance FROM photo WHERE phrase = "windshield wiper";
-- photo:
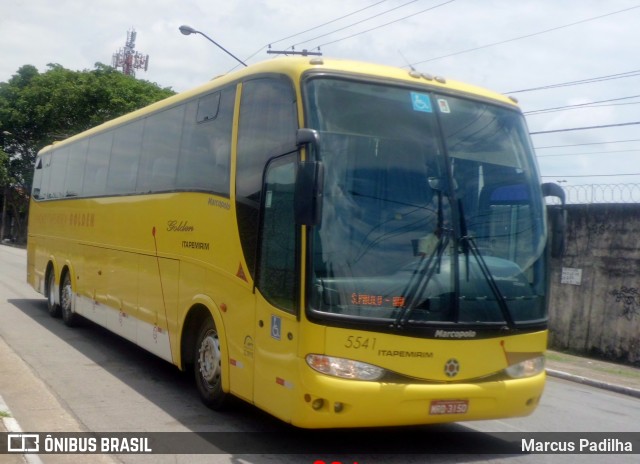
(427, 266)
(469, 244)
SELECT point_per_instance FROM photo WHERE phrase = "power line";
(334, 20)
(525, 36)
(356, 23)
(386, 24)
(586, 128)
(588, 143)
(579, 105)
(584, 107)
(588, 153)
(313, 28)
(591, 80)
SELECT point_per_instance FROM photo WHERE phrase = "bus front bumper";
(328, 402)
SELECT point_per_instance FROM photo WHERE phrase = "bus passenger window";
(123, 164)
(97, 165)
(75, 169)
(58, 168)
(208, 107)
(160, 148)
(205, 152)
(46, 176)
(37, 179)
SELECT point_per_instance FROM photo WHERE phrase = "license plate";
(448, 407)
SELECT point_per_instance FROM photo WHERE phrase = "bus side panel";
(276, 375)
(36, 264)
(157, 304)
(235, 295)
(33, 277)
(92, 293)
(122, 295)
(191, 283)
(40, 248)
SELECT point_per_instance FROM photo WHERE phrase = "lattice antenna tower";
(128, 59)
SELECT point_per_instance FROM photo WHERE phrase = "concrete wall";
(595, 287)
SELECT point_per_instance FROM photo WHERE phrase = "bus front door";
(276, 280)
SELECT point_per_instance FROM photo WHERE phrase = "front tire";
(208, 367)
(69, 317)
(52, 306)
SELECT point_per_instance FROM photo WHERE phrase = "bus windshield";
(432, 210)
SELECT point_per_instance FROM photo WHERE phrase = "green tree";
(37, 109)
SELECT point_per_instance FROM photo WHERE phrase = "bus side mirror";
(308, 193)
(557, 218)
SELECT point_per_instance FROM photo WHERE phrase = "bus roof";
(295, 67)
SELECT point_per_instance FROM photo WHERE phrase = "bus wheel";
(69, 317)
(208, 366)
(52, 306)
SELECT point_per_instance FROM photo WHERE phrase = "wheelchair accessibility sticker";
(421, 102)
(276, 327)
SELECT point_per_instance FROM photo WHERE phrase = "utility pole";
(5, 192)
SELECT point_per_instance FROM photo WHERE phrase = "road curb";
(11, 425)
(595, 383)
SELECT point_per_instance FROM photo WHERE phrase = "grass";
(556, 357)
(4, 414)
(594, 364)
(630, 374)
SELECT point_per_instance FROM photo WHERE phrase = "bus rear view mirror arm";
(306, 136)
(551, 189)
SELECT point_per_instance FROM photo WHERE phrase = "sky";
(503, 45)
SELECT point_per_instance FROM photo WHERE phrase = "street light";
(188, 30)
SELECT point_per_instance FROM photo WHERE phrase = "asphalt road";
(54, 378)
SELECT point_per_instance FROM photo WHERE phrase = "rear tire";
(52, 306)
(69, 317)
(208, 367)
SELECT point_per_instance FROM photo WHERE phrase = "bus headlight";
(344, 368)
(527, 368)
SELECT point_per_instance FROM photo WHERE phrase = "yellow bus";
(340, 244)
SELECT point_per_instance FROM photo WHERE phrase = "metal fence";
(599, 193)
